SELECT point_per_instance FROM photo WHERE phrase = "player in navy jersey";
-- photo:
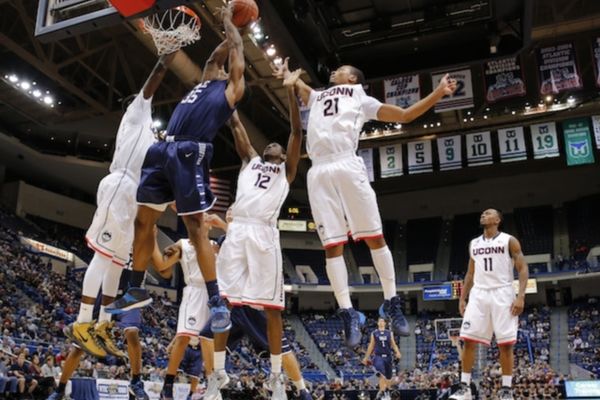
(178, 170)
(382, 346)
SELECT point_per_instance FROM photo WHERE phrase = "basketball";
(244, 12)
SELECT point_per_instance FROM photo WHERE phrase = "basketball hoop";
(173, 29)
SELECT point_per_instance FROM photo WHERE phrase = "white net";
(173, 29)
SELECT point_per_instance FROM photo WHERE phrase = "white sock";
(219, 360)
(104, 316)
(85, 313)
(275, 363)
(384, 265)
(507, 380)
(465, 377)
(300, 385)
(338, 277)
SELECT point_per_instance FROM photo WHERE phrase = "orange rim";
(189, 12)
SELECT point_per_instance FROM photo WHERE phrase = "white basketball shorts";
(342, 200)
(193, 311)
(111, 231)
(489, 312)
(250, 266)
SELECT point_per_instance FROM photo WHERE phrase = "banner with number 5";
(462, 97)
(545, 143)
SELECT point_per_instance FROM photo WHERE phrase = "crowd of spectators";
(584, 334)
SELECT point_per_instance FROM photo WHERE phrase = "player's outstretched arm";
(370, 349)
(295, 141)
(282, 71)
(216, 61)
(240, 137)
(467, 286)
(214, 221)
(523, 269)
(157, 75)
(395, 347)
(163, 262)
(237, 64)
(392, 113)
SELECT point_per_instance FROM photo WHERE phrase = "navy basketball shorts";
(191, 364)
(251, 322)
(383, 365)
(179, 172)
(131, 319)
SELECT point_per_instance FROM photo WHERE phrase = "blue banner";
(438, 292)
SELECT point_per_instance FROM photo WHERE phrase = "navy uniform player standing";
(381, 345)
(178, 170)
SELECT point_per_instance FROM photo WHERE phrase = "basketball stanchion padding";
(129, 8)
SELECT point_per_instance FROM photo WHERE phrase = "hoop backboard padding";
(129, 8)
(61, 19)
(446, 328)
(173, 29)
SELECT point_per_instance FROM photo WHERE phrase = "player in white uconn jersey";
(193, 312)
(249, 264)
(339, 191)
(111, 233)
(492, 308)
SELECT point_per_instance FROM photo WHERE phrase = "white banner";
(402, 91)
(596, 127)
(367, 156)
(390, 159)
(479, 149)
(39, 247)
(511, 142)
(110, 389)
(545, 143)
(462, 97)
(449, 151)
(291, 225)
(180, 390)
(419, 157)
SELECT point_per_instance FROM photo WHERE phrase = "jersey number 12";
(262, 181)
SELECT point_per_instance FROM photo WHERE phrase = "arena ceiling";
(90, 73)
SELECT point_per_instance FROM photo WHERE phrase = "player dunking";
(382, 344)
(178, 170)
(339, 192)
(249, 263)
(111, 233)
(492, 308)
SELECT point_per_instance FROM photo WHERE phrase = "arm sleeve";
(370, 107)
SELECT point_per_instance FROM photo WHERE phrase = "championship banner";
(558, 69)
(390, 160)
(462, 97)
(503, 79)
(449, 152)
(479, 149)
(367, 156)
(419, 157)
(511, 142)
(402, 91)
(596, 51)
(545, 143)
(578, 141)
(596, 126)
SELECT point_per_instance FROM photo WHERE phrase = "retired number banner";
(596, 126)
(503, 79)
(578, 141)
(367, 156)
(596, 51)
(449, 152)
(545, 143)
(390, 159)
(558, 69)
(479, 149)
(462, 97)
(419, 157)
(511, 142)
(402, 91)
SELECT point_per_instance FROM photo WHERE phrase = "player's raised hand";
(224, 13)
(462, 306)
(366, 361)
(172, 250)
(517, 306)
(291, 79)
(281, 71)
(214, 221)
(447, 85)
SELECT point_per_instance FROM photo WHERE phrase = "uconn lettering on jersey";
(266, 168)
(488, 250)
(336, 91)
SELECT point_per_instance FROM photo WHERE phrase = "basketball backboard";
(60, 19)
